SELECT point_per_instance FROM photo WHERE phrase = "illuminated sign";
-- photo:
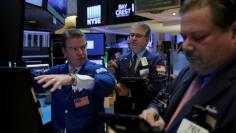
(94, 15)
(123, 10)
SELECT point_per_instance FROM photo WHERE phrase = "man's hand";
(111, 66)
(122, 90)
(56, 80)
(152, 116)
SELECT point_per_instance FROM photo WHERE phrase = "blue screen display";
(95, 44)
(58, 8)
(35, 2)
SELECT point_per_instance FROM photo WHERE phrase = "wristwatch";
(73, 78)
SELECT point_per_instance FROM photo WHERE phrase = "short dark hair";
(73, 33)
(223, 11)
(145, 27)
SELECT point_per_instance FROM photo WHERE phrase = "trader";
(138, 62)
(78, 88)
(207, 87)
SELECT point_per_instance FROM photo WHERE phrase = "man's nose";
(187, 45)
(79, 51)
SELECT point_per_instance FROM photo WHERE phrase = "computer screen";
(35, 2)
(58, 9)
(95, 44)
(36, 44)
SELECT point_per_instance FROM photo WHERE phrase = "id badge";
(81, 101)
(188, 126)
(144, 61)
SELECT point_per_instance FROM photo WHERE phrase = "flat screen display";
(95, 44)
(35, 2)
(36, 44)
(58, 9)
(91, 13)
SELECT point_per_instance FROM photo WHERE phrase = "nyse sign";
(94, 15)
(93, 21)
(123, 10)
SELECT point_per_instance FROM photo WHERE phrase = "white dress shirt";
(83, 81)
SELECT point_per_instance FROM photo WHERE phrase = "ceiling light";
(32, 22)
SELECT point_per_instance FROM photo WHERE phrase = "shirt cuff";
(83, 82)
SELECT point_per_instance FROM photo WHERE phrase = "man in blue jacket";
(78, 88)
(145, 66)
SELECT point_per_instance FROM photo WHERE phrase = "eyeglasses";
(136, 35)
(75, 49)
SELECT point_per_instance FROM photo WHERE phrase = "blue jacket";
(83, 119)
(155, 79)
(154, 85)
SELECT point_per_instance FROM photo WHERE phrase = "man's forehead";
(76, 39)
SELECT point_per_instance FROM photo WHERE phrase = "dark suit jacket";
(155, 79)
(220, 92)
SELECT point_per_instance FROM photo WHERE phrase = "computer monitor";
(36, 44)
(35, 2)
(20, 112)
(95, 44)
(58, 9)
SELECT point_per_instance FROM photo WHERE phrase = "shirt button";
(66, 111)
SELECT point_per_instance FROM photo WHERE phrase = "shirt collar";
(71, 68)
(139, 54)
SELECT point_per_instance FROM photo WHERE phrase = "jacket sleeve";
(170, 89)
(118, 73)
(38, 87)
(104, 82)
(156, 80)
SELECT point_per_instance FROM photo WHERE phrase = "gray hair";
(73, 33)
(145, 27)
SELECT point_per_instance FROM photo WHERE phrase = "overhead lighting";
(32, 22)
(173, 13)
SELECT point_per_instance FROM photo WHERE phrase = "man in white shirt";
(78, 88)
